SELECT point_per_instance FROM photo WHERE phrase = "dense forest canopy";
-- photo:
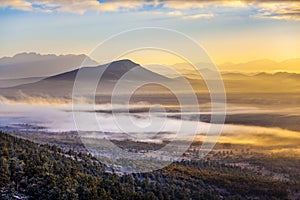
(30, 170)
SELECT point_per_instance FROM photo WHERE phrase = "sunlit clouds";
(288, 10)
(282, 10)
(16, 4)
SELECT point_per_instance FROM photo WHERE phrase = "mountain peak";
(124, 63)
(120, 66)
(113, 71)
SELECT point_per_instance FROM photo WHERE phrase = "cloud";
(23, 98)
(175, 13)
(286, 11)
(185, 15)
(76, 6)
(273, 9)
(69, 6)
(198, 16)
(201, 4)
(16, 4)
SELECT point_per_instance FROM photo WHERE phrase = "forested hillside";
(32, 171)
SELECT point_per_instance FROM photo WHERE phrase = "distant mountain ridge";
(25, 65)
(61, 84)
(263, 65)
(261, 75)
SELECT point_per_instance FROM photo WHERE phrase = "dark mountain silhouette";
(112, 71)
(62, 84)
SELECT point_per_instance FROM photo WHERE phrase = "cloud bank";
(282, 10)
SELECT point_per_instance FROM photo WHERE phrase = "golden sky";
(229, 31)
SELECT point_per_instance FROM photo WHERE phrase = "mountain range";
(27, 65)
(52, 80)
(263, 65)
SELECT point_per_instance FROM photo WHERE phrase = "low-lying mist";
(59, 118)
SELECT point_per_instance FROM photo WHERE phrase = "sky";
(229, 31)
